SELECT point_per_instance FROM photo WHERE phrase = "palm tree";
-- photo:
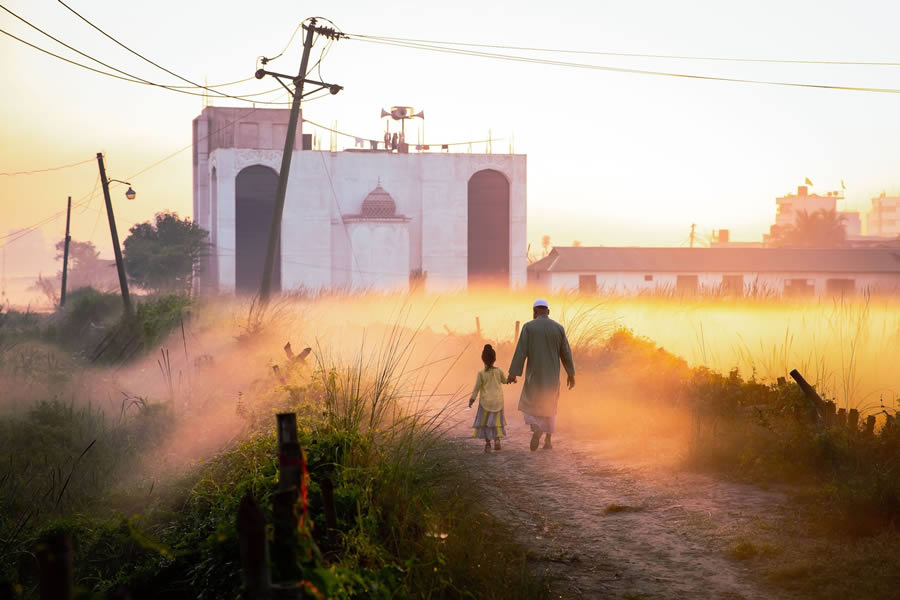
(820, 229)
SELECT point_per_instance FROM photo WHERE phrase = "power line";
(142, 57)
(59, 168)
(345, 134)
(636, 54)
(559, 63)
(132, 79)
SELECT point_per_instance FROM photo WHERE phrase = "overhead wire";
(636, 54)
(144, 58)
(33, 171)
(130, 78)
(593, 67)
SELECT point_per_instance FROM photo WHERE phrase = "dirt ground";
(619, 519)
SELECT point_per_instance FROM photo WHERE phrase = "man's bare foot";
(547, 444)
(535, 440)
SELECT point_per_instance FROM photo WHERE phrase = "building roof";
(378, 204)
(588, 259)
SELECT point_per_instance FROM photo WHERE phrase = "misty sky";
(613, 158)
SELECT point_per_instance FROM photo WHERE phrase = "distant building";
(356, 219)
(737, 271)
(791, 205)
(884, 218)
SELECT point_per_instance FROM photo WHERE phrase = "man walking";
(543, 342)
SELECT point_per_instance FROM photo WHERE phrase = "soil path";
(606, 521)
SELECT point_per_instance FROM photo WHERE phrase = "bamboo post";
(870, 425)
(289, 458)
(251, 527)
(54, 558)
(328, 503)
(813, 400)
(478, 327)
(842, 417)
(888, 424)
(853, 420)
(284, 500)
(516, 340)
(830, 410)
(781, 381)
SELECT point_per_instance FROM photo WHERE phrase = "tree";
(820, 229)
(164, 255)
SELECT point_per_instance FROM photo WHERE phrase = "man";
(543, 342)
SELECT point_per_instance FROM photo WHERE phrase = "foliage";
(164, 255)
(820, 229)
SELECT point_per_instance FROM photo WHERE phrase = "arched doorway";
(488, 228)
(254, 204)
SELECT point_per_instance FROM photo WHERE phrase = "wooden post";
(830, 409)
(853, 420)
(870, 425)
(888, 424)
(289, 456)
(54, 557)
(842, 417)
(812, 398)
(284, 539)
(251, 527)
(782, 381)
(478, 327)
(516, 340)
(328, 503)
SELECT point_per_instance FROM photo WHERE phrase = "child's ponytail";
(488, 356)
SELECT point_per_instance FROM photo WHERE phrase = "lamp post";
(120, 265)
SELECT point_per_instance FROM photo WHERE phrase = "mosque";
(374, 218)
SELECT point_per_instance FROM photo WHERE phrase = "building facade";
(355, 219)
(790, 205)
(884, 218)
(733, 271)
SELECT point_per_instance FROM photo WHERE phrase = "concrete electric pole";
(265, 288)
(62, 292)
(120, 265)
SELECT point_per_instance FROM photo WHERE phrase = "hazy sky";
(613, 158)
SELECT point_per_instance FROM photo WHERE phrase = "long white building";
(355, 219)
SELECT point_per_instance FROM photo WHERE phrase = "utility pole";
(693, 227)
(120, 265)
(265, 288)
(62, 292)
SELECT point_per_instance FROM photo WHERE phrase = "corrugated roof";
(720, 260)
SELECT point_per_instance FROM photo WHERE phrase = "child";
(490, 423)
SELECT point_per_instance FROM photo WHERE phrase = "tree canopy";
(820, 229)
(163, 256)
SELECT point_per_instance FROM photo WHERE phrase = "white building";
(738, 271)
(790, 205)
(884, 218)
(353, 219)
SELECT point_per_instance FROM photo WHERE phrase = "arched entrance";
(254, 204)
(488, 228)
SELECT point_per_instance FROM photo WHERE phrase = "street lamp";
(120, 265)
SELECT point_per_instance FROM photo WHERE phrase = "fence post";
(54, 557)
(284, 500)
(328, 503)
(812, 398)
(830, 409)
(842, 417)
(516, 340)
(251, 527)
(853, 420)
(478, 327)
(870, 425)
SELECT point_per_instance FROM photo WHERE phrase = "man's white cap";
(541, 302)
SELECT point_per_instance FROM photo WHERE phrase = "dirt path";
(666, 537)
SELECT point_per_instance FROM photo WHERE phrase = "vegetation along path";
(606, 522)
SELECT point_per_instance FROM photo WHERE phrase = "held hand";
(471, 402)
(570, 381)
(511, 379)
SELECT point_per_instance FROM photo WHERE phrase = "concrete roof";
(588, 259)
